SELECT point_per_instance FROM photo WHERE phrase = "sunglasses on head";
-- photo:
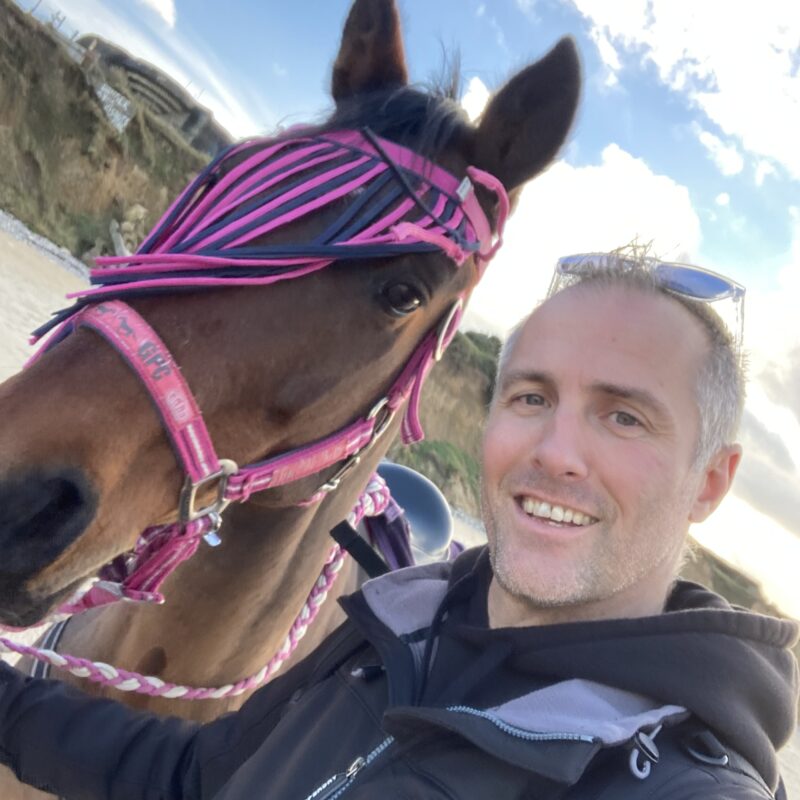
(686, 280)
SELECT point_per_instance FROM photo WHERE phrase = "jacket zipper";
(520, 733)
(339, 783)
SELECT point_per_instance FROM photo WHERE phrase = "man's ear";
(717, 479)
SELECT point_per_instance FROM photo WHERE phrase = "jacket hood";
(731, 668)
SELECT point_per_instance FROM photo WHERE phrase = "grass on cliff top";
(446, 459)
(454, 471)
(475, 350)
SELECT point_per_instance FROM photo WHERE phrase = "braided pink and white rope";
(372, 502)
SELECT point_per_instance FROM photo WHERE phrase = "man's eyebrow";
(642, 397)
(515, 376)
(634, 394)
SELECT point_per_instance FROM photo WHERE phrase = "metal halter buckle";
(444, 329)
(380, 428)
(187, 511)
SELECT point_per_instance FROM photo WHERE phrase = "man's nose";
(560, 447)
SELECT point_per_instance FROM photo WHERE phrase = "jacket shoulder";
(704, 783)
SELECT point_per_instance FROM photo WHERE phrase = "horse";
(86, 464)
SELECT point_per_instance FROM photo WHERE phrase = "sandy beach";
(34, 277)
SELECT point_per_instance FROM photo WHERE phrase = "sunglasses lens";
(681, 279)
(693, 283)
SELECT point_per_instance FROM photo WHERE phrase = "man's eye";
(625, 419)
(530, 399)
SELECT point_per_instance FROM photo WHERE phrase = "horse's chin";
(23, 609)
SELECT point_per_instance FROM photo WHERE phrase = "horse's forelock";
(425, 117)
(424, 121)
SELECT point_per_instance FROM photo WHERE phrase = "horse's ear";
(527, 121)
(371, 56)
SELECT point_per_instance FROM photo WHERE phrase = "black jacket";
(415, 697)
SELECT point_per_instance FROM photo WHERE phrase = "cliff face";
(453, 409)
(65, 170)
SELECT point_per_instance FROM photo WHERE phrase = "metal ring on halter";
(383, 424)
(441, 342)
(380, 428)
(187, 512)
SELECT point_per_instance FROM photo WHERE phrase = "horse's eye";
(402, 298)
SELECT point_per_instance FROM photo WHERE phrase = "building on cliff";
(162, 96)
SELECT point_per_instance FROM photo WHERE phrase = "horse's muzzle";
(41, 514)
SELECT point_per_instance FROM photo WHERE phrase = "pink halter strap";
(398, 202)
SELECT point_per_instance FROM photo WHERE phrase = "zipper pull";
(338, 781)
(355, 767)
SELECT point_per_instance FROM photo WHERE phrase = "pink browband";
(398, 202)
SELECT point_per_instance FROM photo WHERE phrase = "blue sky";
(687, 136)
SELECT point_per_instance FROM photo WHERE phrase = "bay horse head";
(274, 364)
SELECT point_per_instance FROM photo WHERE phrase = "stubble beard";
(607, 568)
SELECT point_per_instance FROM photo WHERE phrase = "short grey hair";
(720, 387)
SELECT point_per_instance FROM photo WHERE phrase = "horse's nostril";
(39, 503)
(41, 514)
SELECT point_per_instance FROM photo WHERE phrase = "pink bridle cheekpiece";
(397, 202)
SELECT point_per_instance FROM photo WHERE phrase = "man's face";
(588, 484)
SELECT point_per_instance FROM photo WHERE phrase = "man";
(563, 662)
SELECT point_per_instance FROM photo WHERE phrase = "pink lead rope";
(373, 502)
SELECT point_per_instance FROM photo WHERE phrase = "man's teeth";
(538, 508)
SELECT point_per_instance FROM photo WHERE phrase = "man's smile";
(564, 514)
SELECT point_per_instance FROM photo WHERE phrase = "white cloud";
(735, 61)
(475, 98)
(578, 209)
(764, 497)
(164, 8)
(480, 10)
(723, 199)
(768, 482)
(727, 157)
(608, 55)
(763, 168)
(772, 316)
(526, 6)
(771, 559)
(499, 35)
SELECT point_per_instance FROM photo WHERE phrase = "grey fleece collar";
(406, 602)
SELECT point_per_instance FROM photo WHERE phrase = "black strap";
(348, 538)
(41, 669)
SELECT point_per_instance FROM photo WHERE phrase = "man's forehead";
(612, 328)
(619, 309)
